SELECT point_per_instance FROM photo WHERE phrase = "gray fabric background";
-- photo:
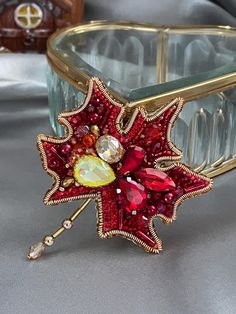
(83, 274)
(164, 11)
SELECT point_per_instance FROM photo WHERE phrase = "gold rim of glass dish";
(199, 86)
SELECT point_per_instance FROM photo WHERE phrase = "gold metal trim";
(224, 167)
(161, 61)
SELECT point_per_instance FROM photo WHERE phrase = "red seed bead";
(78, 148)
(90, 108)
(152, 210)
(169, 197)
(66, 149)
(73, 140)
(161, 207)
(72, 160)
(94, 117)
(70, 172)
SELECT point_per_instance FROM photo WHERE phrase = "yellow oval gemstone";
(92, 171)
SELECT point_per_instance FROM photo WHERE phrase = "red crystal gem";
(132, 160)
(134, 194)
(155, 179)
(179, 191)
(89, 140)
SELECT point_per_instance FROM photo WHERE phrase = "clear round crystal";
(109, 149)
(36, 251)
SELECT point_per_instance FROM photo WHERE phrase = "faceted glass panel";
(139, 62)
(61, 97)
(205, 130)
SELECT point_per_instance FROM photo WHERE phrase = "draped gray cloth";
(219, 12)
(83, 274)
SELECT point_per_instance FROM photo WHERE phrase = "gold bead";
(95, 130)
(67, 182)
(67, 224)
(48, 240)
(80, 84)
(119, 166)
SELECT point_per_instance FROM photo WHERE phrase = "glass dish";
(149, 65)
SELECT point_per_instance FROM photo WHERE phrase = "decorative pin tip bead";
(35, 251)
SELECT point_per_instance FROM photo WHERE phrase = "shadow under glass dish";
(149, 66)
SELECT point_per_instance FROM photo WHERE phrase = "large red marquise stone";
(132, 159)
(134, 194)
(155, 179)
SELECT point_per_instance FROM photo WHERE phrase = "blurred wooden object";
(26, 25)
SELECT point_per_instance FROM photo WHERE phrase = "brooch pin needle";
(36, 250)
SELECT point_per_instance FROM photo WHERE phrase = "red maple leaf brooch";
(117, 159)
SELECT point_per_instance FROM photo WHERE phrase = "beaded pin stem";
(37, 249)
